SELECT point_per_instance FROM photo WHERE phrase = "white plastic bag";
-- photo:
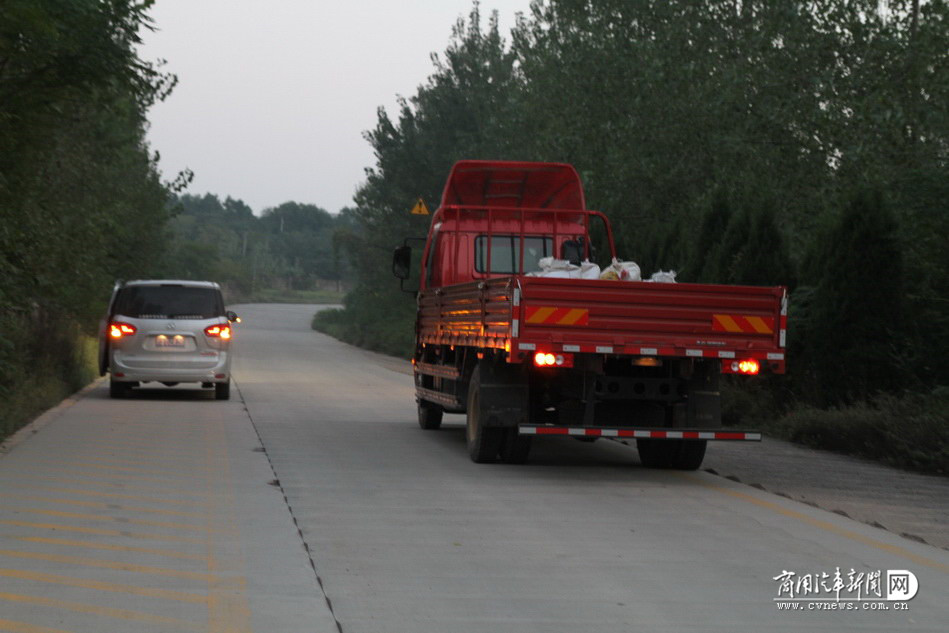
(664, 277)
(623, 271)
(556, 268)
(589, 270)
(562, 269)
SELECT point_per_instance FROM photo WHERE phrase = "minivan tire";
(222, 390)
(119, 389)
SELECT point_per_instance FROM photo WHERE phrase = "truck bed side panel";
(659, 314)
(620, 315)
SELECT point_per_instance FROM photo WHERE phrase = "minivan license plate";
(169, 341)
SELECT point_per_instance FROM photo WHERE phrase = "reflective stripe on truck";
(654, 434)
(549, 315)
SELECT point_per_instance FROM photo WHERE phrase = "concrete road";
(162, 513)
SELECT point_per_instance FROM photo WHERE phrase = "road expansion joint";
(275, 482)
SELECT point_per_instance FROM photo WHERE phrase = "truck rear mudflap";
(640, 434)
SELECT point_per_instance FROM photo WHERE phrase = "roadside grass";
(46, 383)
(277, 295)
(330, 322)
(910, 431)
(388, 336)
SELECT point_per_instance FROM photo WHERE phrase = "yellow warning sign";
(420, 208)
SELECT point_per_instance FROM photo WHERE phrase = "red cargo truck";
(524, 353)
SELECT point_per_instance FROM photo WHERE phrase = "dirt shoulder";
(912, 505)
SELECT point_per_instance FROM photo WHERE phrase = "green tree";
(720, 136)
(856, 311)
(701, 266)
(464, 109)
(81, 199)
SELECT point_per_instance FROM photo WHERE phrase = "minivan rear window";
(169, 302)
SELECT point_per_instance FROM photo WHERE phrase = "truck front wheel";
(483, 442)
(429, 415)
(677, 454)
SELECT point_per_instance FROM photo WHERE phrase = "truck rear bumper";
(773, 359)
(654, 434)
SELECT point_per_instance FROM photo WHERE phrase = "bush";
(746, 402)
(854, 315)
(388, 332)
(50, 358)
(909, 432)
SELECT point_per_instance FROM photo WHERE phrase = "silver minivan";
(166, 331)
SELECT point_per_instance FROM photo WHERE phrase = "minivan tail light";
(218, 331)
(117, 329)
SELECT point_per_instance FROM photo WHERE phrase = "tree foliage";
(855, 326)
(724, 139)
(290, 246)
(81, 200)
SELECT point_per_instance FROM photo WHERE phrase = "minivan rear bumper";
(128, 371)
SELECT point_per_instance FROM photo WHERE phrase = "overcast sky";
(273, 96)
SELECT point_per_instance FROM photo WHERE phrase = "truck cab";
(496, 223)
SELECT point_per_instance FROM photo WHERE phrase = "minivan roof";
(172, 282)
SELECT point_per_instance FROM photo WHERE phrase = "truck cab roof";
(513, 184)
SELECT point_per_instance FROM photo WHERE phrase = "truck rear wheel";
(515, 448)
(677, 454)
(690, 455)
(483, 442)
(429, 415)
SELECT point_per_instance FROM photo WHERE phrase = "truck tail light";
(748, 366)
(218, 331)
(117, 329)
(546, 359)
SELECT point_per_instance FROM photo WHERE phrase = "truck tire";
(515, 448)
(119, 389)
(429, 416)
(676, 454)
(222, 390)
(691, 454)
(483, 442)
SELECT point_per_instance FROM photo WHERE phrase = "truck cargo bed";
(523, 313)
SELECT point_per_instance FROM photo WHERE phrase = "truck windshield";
(169, 302)
(506, 252)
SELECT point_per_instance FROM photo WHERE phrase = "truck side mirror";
(402, 262)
